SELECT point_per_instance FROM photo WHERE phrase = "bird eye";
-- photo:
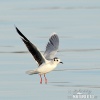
(57, 60)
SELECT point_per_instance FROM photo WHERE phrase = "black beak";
(61, 62)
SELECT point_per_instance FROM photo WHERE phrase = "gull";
(46, 62)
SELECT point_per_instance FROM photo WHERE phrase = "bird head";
(57, 60)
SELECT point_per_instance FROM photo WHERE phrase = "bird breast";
(46, 67)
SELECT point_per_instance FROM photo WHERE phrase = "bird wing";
(32, 49)
(52, 46)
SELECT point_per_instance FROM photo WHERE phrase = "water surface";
(77, 22)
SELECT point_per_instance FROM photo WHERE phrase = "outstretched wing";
(32, 48)
(52, 46)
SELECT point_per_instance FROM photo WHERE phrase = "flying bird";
(47, 61)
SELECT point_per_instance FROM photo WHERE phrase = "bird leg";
(40, 79)
(45, 79)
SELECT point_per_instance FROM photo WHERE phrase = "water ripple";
(63, 50)
(79, 50)
(63, 8)
(77, 69)
(84, 86)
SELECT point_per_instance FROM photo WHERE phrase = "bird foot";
(41, 81)
(46, 81)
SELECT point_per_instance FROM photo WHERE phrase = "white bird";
(46, 62)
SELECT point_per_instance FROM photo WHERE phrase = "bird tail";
(31, 72)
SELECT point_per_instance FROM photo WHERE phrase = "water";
(78, 26)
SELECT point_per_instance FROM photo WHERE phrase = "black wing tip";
(17, 29)
(19, 32)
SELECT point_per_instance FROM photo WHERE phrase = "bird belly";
(43, 69)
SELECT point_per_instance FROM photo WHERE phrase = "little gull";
(46, 62)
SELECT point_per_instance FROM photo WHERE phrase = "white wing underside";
(52, 47)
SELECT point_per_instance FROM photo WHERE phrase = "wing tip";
(53, 34)
(21, 35)
(16, 28)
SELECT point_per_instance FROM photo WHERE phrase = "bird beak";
(61, 62)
